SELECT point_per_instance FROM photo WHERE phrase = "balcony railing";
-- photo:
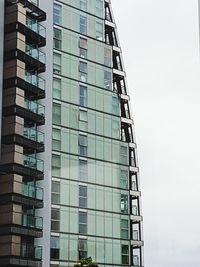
(33, 163)
(35, 80)
(35, 2)
(31, 191)
(36, 27)
(34, 106)
(31, 221)
(35, 53)
(16, 187)
(33, 135)
(27, 251)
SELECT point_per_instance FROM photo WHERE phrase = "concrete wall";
(1, 58)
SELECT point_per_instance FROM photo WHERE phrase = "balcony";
(30, 82)
(21, 219)
(35, 33)
(32, 7)
(17, 254)
(14, 162)
(19, 192)
(31, 139)
(30, 55)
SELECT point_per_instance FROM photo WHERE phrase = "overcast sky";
(159, 39)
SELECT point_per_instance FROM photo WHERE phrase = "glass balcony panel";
(134, 210)
(35, 80)
(35, 53)
(36, 27)
(32, 191)
(135, 235)
(35, 2)
(34, 135)
(34, 106)
(30, 251)
(33, 163)
(32, 221)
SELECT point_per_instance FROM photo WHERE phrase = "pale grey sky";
(159, 39)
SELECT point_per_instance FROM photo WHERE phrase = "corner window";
(124, 204)
(123, 155)
(125, 254)
(57, 40)
(82, 145)
(124, 229)
(57, 14)
(83, 96)
(83, 47)
(82, 222)
(124, 179)
(99, 8)
(83, 24)
(99, 31)
(115, 105)
(107, 80)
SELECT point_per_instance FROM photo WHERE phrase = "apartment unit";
(69, 176)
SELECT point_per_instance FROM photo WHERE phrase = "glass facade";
(95, 188)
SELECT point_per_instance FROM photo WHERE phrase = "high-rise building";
(69, 177)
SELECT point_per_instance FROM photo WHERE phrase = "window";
(107, 56)
(99, 8)
(124, 155)
(125, 254)
(82, 222)
(55, 219)
(55, 247)
(83, 170)
(83, 5)
(56, 164)
(83, 120)
(56, 139)
(124, 229)
(82, 145)
(57, 41)
(57, 14)
(83, 71)
(107, 79)
(82, 196)
(56, 113)
(115, 105)
(82, 248)
(83, 47)
(83, 24)
(57, 63)
(55, 192)
(124, 179)
(83, 96)
(99, 30)
(124, 204)
(56, 88)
